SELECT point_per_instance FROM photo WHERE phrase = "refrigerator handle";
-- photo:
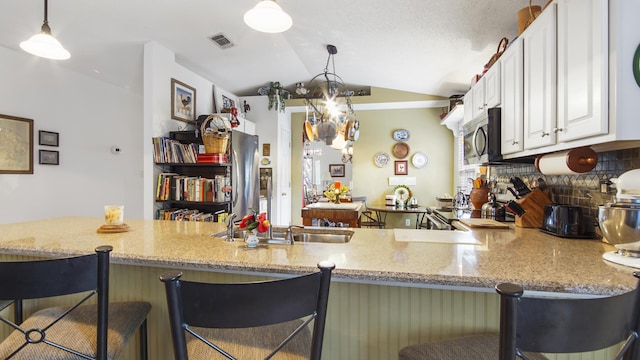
(234, 185)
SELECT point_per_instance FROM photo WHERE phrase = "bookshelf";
(188, 190)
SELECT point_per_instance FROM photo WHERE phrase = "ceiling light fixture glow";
(267, 16)
(44, 44)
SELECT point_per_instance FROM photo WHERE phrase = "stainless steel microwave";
(482, 139)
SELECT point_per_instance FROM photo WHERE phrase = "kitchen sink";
(279, 236)
(335, 238)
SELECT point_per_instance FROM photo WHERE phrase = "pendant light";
(328, 106)
(44, 44)
(267, 16)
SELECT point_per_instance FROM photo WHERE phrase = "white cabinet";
(483, 95)
(583, 68)
(468, 105)
(511, 98)
(540, 80)
(492, 86)
(477, 99)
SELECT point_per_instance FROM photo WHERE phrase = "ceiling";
(425, 46)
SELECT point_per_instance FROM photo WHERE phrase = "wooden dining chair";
(368, 218)
(254, 320)
(82, 331)
(530, 326)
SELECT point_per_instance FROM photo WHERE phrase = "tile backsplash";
(583, 189)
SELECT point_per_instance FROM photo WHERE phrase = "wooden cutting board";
(112, 229)
(484, 223)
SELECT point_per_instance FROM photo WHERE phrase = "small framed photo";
(16, 145)
(49, 157)
(224, 101)
(183, 102)
(48, 138)
(401, 167)
(336, 170)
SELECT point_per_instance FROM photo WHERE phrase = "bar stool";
(84, 330)
(254, 320)
(533, 325)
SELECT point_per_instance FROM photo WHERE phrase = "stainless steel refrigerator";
(245, 176)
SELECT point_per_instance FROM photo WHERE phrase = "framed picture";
(223, 100)
(48, 138)
(401, 167)
(49, 157)
(336, 170)
(183, 102)
(16, 145)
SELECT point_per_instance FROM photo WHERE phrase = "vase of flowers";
(335, 191)
(253, 224)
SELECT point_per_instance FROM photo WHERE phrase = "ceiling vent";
(221, 40)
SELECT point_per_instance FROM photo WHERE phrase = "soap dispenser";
(493, 209)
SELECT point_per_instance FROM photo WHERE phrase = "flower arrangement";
(335, 191)
(251, 222)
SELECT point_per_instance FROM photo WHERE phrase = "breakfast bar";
(386, 293)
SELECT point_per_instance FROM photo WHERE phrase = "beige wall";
(376, 129)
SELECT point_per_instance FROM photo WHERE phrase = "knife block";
(533, 203)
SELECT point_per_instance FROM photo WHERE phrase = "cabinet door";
(539, 42)
(511, 104)
(477, 93)
(492, 86)
(468, 107)
(582, 68)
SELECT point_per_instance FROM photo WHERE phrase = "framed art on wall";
(336, 170)
(224, 101)
(49, 157)
(401, 167)
(183, 101)
(48, 138)
(16, 145)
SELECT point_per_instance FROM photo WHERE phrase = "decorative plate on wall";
(419, 160)
(400, 150)
(401, 135)
(381, 159)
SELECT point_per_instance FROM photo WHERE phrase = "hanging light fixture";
(329, 109)
(267, 16)
(44, 44)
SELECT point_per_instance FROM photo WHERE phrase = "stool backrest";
(566, 325)
(37, 279)
(245, 305)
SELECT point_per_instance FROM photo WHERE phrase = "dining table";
(382, 210)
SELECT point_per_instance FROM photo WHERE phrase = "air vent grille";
(221, 40)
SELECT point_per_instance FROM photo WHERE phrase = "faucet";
(290, 232)
(230, 224)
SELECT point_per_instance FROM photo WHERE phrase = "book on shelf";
(176, 214)
(168, 150)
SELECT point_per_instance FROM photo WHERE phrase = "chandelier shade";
(268, 17)
(44, 44)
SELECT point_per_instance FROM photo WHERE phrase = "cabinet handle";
(555, 130)
(544, 134)
(514, 142)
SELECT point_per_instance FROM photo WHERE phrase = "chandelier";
(328, 107)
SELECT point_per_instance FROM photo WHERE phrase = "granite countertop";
(537, 261)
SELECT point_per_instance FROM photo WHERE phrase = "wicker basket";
(216, 142)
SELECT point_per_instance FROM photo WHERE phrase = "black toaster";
(568, 221)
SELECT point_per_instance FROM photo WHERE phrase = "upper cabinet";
(512, 98)
(577, 85)
(582, 68)
(483, 95)
(540, 80)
